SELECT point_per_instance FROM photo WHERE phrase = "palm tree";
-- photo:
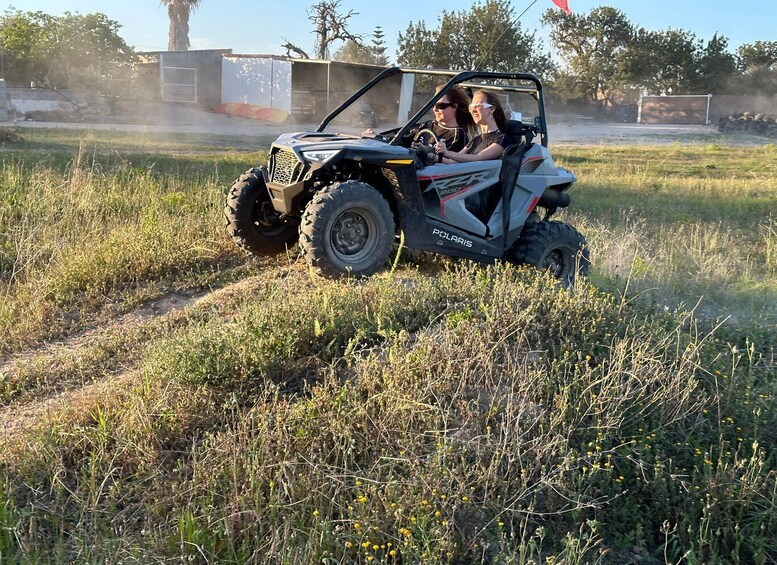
(179, 11)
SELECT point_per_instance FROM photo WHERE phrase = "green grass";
(444, 412)
(84, 228)
(679, 225)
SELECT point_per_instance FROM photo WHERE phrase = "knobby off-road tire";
(252, 222)
(347, 230)
(556, 247)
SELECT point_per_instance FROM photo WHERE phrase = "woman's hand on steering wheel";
(440, 147)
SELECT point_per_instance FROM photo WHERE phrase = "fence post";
(639, 111)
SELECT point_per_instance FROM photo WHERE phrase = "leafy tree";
(758, 54)
(417, 48)
(757, 63)
(66, 51)
(568, 86)
(757, 80)
(661, 62)
(179, 11)
(593, 46)
(353, 52)
(674, 61)
(484, 38)
(25, 52)
(356, 52)
(715, 67)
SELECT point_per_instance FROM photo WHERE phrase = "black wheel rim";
(266, 219)
(556, 262)
(352, 235)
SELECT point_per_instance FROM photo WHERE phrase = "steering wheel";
(426, 137)
(424, 150)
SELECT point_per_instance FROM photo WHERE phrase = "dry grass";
(443, 412)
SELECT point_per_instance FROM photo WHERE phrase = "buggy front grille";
(285, 168)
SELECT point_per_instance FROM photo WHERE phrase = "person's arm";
(493, 151)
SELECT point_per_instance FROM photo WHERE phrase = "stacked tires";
(747, 122)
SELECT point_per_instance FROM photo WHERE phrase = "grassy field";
(165, 399)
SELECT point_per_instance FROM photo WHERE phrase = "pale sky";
(260, 26)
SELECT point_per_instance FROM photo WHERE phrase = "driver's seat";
(513, 133)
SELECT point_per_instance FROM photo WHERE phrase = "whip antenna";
(483, 58)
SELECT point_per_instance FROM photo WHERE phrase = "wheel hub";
(554, 263)
(265, 216)
(350, 233)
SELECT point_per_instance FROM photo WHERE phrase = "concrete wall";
(24, 100)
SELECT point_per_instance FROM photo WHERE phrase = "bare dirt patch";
(161, 306)
(165, 117)
(49, 397)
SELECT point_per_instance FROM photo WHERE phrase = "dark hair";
(499, 113)
(458, 96)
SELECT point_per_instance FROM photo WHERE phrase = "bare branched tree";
(330, 26)
(290, 47)
(179, 12)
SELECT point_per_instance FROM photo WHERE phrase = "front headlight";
(318, 156)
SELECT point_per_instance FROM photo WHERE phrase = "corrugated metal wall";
(201, 68)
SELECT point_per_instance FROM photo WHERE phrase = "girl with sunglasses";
(487, 112)
(452, 121)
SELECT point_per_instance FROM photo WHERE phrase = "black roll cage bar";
(462, 78)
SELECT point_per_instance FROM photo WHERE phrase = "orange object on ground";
(252, 111)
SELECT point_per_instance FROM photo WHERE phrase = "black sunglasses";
(443, 105)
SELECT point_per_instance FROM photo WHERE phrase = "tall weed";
(482, 416)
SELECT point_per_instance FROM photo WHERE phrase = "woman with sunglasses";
(452, 121)
(487, 112)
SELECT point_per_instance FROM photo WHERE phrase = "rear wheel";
(556, 247)
(252, 222)
(347, 229)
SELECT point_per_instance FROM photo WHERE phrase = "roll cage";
(526, 83)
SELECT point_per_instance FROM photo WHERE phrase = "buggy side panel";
(455, 194)
(537, 173)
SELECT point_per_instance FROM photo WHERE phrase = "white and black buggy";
(345, 197)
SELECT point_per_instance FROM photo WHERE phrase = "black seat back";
(513, 133)
(508, 176)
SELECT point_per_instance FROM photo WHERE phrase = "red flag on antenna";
(563, 5)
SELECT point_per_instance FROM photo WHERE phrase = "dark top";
(455, 138)
(483, 140)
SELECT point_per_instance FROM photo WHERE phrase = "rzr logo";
(451, 185)
(452, 238)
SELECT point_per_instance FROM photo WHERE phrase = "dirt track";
(175, 118)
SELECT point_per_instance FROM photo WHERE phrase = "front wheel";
(556, 247)
(347, 230)
(252, 222)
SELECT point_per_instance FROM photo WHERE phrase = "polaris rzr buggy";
(346, 197)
